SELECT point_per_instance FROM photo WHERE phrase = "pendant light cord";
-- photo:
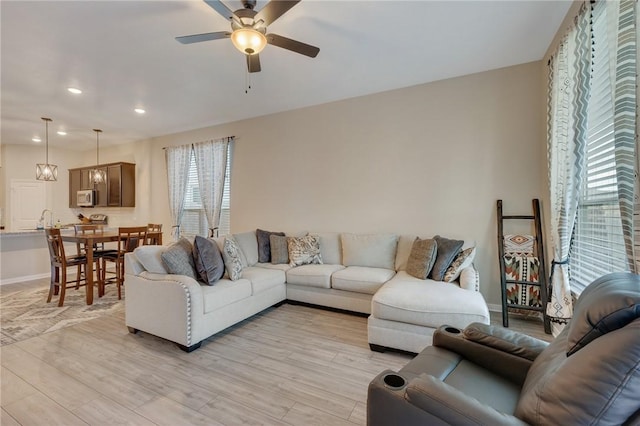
(98, 131)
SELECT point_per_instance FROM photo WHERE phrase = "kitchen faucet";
(50, 217)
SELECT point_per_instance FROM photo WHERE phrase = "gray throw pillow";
(422, 257)
(264, 244)
(208, 260)
(279, 249)
(178, 259)
(447, 251)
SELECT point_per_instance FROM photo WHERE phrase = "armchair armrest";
(505, 340)
(504, 352)
(451, 405)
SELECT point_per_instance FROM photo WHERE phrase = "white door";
(28, 200)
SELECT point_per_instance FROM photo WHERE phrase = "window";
(225, 214)
(194, 220)
(598, 246)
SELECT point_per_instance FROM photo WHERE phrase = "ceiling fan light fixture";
(248, 40)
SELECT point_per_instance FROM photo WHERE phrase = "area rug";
(26, 314)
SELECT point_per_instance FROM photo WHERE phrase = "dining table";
(89, 240)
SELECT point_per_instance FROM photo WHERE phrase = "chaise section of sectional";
(406, 311)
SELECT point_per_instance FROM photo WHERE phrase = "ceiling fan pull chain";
(247, 82)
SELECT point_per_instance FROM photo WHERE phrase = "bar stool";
(60, 262)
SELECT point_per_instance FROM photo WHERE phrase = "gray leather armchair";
(486, 375)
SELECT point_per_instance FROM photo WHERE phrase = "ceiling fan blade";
(293, 45)
(220, 7)
(253, 63)
(197, 38)
(273, 10)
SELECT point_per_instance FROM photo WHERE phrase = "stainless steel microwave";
(86, 198)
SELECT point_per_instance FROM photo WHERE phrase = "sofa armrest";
(469, 279)
(453, 406)
(508, 364)
(165, 305)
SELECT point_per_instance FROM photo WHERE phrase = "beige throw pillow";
(304, 250)
(422, 257)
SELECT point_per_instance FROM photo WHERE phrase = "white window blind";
(598, 245)
(194, 220)
(225, 213)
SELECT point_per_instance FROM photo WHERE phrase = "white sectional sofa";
(363, 273)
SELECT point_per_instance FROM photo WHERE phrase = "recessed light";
(36, 139)
(74, 90)
(62, 133)
(140, 110)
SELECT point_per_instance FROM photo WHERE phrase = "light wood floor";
(291, 365)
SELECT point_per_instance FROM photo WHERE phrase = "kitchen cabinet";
(121, 185)
(119, 189)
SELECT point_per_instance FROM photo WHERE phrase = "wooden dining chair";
(60, 262)
(129, 238)
(154, 234)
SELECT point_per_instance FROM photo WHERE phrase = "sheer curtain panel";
(211, 163)
(177, 158)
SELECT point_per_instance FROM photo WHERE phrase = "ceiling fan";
(249, 30)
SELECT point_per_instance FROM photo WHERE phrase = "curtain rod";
(227, 137)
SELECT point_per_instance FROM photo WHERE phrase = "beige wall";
(430, 159)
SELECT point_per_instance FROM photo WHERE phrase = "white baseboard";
(24, 278)
(494, 308)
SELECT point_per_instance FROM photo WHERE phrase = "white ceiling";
(122, 54)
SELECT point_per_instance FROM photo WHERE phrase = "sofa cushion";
(428, 303)
(232, 258)
(284, 267)
(262, 278)
(279, 249)
(264, 244)
(208, 260)
(405, 244)
(610, 302)
(224, 293)
(150, 257)
(361, 279)
(447, 251)
(178, 259)
(304, 250)
(422, 257)
(312, 275)
(372, 250)
(248, 243)
(463, 260)
(330, 247)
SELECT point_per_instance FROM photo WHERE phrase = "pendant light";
(97, 176)
(46, 171)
